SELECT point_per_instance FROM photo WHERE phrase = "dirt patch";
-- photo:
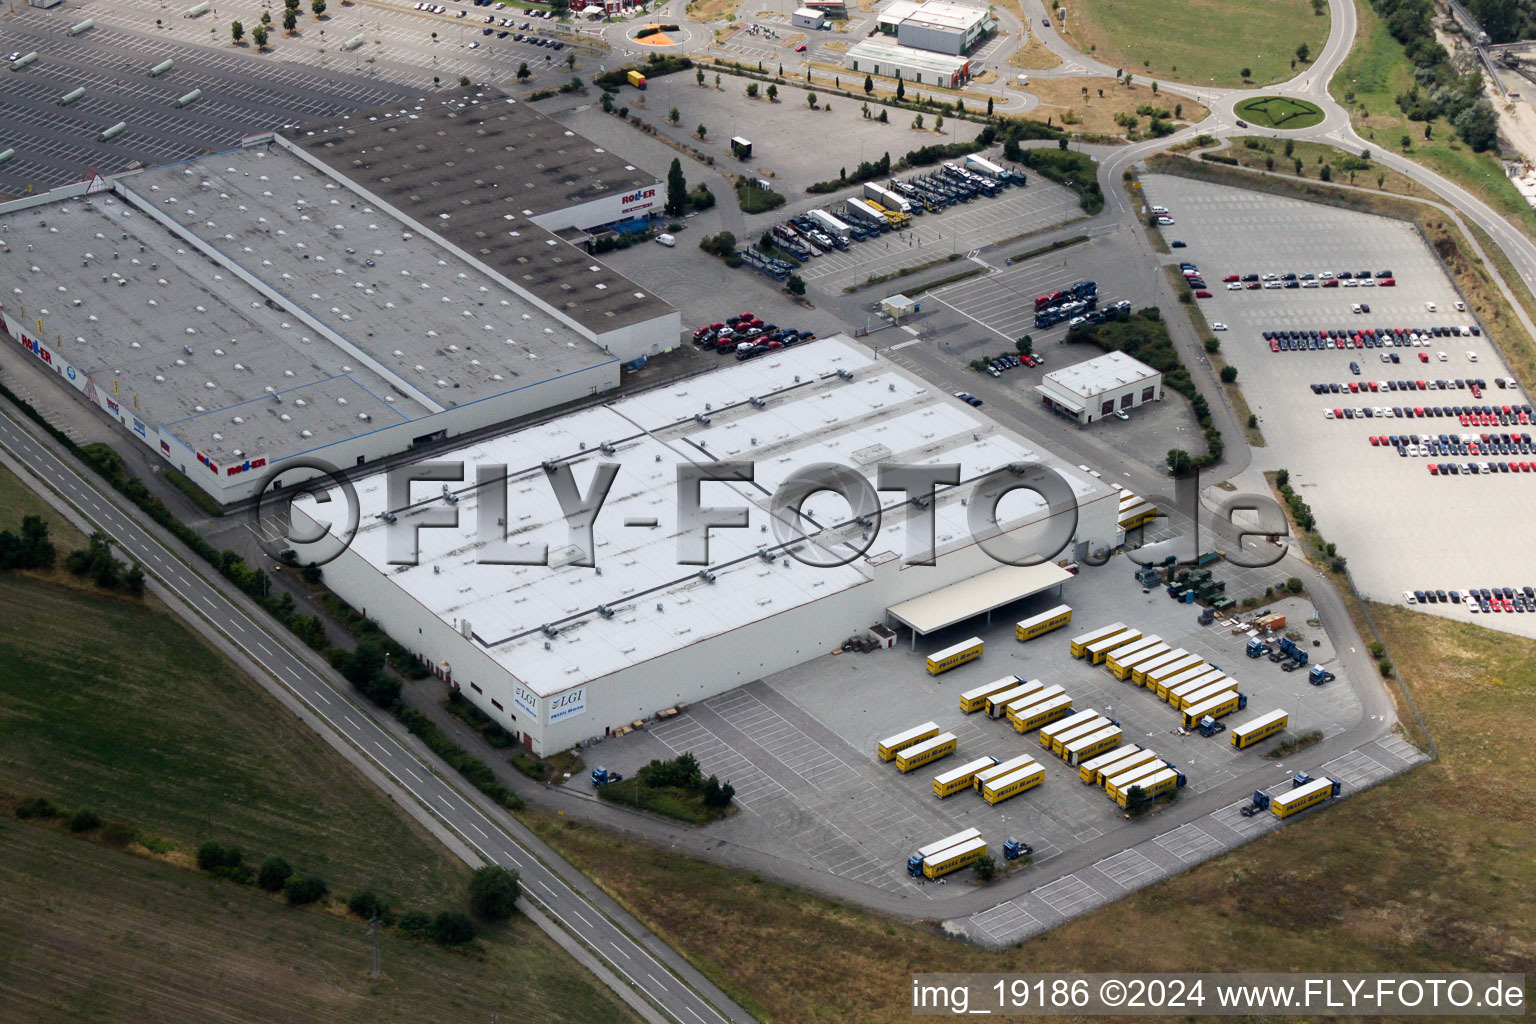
(1077, 103)
(657, 38)
(1034, 56)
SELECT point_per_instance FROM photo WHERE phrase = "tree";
(938, 122)
(236, 31)
(674, 115)
(1247, 73)
(1303, 52)
(453, 928)
(1478, 126)
(522, 71)
(84, 820)
(1290, 147)
(416, 924)
(1154, 88)
(1269, 163)
(1137, 802)
(570, 61)
(702, 131)
(303, 889)
(795, 284)
(367, 905)
(266, 18)
(869, 84)
(677, 190)
(259, 36)
(1025, 344)
(1178, 110)
(884, 119)
(1178, 461)
(318, 6)
(1212, 344)
(290, 20)
(1325, 173)
(1228, 374)
(273, 874)
(1298, 165)
(718, 795)
(717, 79)
(493, 892)
(917, 122)
(810, 99)
(216, 858)
(1128, 77)
(773, 93)
(901, 88)
(463, 81)
(752, 90)
(698, 76)
(1294, 585)
(989, 105)
(985, 868)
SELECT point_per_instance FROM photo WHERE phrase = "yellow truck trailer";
(1164, 685)
(927, 751)
(1121, 664)
(893, 745)
(1072, 721)
(1181, 696)
(1114, 783)
(1029, 690)
(1060, 740)
(1131, 650)
(996, 791)
(1204, 693)
(1101, 649)
(1090, 767)
(1044, 713)
(1002, 768)
(950, 657)
(956, 779)
(1120, 767)
(1261, 728)
(1039, 625)
(1310, 794)
(1029, 700)
(1090, 746)
(1184, 664)
(1165, 781)
(976, 699)
(1139, 673)
(1219, 706)
(1079, 643)
(954, 858)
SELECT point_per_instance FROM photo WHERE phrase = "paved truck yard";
(1386, 537)
(800, 747)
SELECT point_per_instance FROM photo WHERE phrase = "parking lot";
(58, 144)
(799, 747)
(1400, 527)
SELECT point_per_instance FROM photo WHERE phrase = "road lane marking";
(615, 945)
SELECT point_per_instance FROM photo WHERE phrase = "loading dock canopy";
(976, 596)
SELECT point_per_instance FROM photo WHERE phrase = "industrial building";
(258, 305)
(877, 56)
(1100, 387)
(936, 26)
(808, 18)
(562, 651)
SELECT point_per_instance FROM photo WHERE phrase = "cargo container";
(1139, 673)
(1121, 667)
(1038, 625)
(959, 654)
(830, 224)
(954, 858)
(1195, 696)
(1165, 781)
(1029, 700)
(995, 791)
(984, 166)
(1091, 766)
(637, 80)
(1079, 643)
(1002, 768)
(1219, 706)
(1072, 721)
(975, 700)
(1130, 650)
(1101, 649)
(1174, 694)
(893, 745)
(1063, 737)
(1137, 515)
(927, 751)
(1261, 728)
(1184, 664)
(1172, 682)
(1036, 715)
(956, 779)
(859, 210)
(915, 862)
(1114, 783)
(997, 704)
(1083, 748)
(1310, 794)
(1121, 766)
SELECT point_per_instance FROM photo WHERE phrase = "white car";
(1408, 597)
(1442, 357)
(1312, 284)
(1368, 283)
(1165, 221)
(1271, 284)
(1461, 307)
(1351, 283)
(1430, 306)
(1386, 358)
(1077, 321)
(1325, 275)
(1327, 414)
(1218, 326)
(1233, 286)
(1471, 357)
(1354, 307)
(1271, 276)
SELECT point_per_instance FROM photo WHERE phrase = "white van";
(666, 240)
(1160, 210)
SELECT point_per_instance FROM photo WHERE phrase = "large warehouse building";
(936, 26)
(254, 306)
(921, 67)
(561, 652)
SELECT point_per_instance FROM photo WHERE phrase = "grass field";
(1450, 884)
(1034, 56)
(1203, 42)
(1375, 72)
(102, 935)
(115, 705)
(1094, 114)
(17, 501)
(1280, 112)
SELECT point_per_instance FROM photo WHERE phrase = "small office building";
(809, 18)
(1100, 387)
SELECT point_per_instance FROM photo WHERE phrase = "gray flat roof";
(477, 168)
(194, 347)
(1100, 374)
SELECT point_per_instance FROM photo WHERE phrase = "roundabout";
(1282, 112)
(658, 35)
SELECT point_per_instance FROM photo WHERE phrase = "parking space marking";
(1232, 819)
(1129, 869)
(1355, 769)
(1007, 922)
(1401, 749)
(1069, 896)
(1190, 843)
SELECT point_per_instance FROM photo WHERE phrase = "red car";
(1432, 470)
(1423, 357)
(1386, 282)
(1202, 294)
(1229, 279)
(1375, 442)
(1253, 286)
(801, 49)
(1274, 346)
(1331, 283)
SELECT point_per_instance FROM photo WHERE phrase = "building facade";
(1101, 387)
(877, 56)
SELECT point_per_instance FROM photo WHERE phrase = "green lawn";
(17, 501)
(1280, 112)
(1368, 83)
(1203, 42)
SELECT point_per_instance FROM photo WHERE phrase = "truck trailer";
(886, 198)
(1165, 781)
(830, 224)
(1000, 769)
(927, 752)
(956, 779)
(1049, 732)
(915, 862)
(1079, 644)
(976, 699)
(995, 791)
(1036, 715)
(997, 703)
(1082, 748)
(954, 858)
(1089, 768)
(1012, 707)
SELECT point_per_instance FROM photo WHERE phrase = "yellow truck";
(995, 791)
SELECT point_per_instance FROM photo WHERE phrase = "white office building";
(1100, 387)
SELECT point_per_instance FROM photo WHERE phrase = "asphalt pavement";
(552, 885)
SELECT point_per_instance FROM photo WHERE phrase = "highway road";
(632, 953)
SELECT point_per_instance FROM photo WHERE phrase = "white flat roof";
(809, 414)
(938, 14)
(1099, 374)
(880, 49)
(899, 11)
(968, 598)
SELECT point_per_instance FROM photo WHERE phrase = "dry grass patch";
(1094, 114)
(712, 10)
(1034, 56)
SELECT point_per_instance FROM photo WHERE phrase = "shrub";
(38, 807)
(493, 892)
(985, 868)
(453, 928)
(416, 924)
(1294, 585)
(84, 820)
(273, 874)
(367, 905)
(1212, 344)
(303, 889)
(212, 856)
(1228, 374)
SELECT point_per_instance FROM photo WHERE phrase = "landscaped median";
(1281, 112)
